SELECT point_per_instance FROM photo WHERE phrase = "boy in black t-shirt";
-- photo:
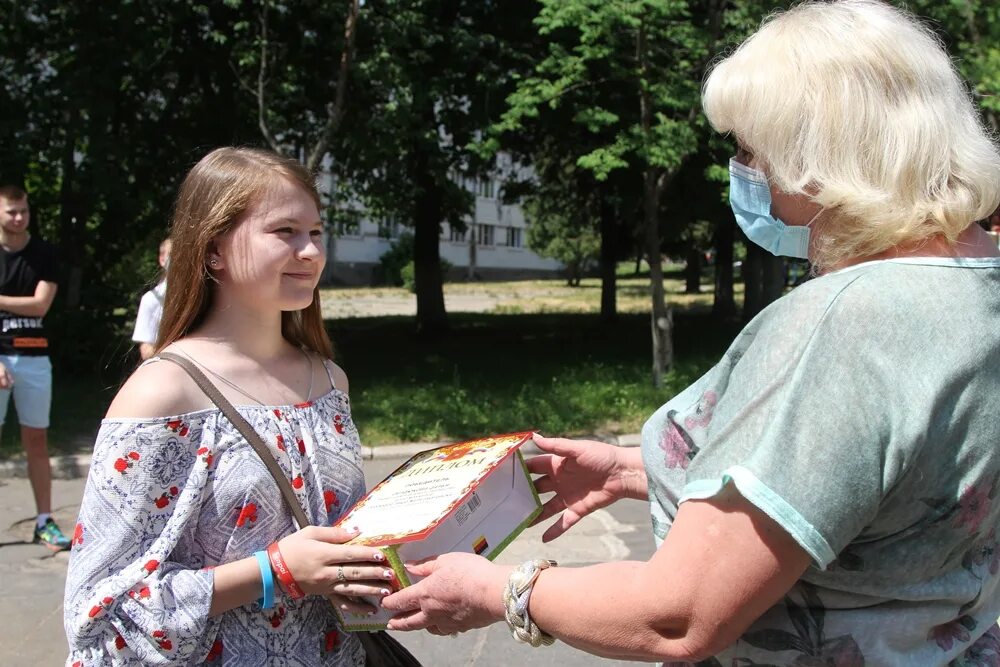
(27, 287)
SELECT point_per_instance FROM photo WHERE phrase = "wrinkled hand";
(584, 475)
(6, 379)
(459, 592)
(315, 556)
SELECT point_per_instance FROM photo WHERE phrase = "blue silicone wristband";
(267, 580)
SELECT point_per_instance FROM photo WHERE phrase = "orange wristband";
(282, 572)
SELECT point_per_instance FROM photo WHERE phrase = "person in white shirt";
(147, 320)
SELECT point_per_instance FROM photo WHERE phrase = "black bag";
(381, 650)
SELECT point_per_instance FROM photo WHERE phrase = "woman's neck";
(972, 242)
(247, 332)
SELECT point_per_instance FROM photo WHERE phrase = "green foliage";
(396, 264)
(396, 259)
(558, 374)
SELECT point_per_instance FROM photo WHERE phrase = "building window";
(484, 187)
(484, 234)
(348, 228)
(388, 228)
(514, 237)
(456, 234)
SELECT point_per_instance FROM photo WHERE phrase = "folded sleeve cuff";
(771, 504)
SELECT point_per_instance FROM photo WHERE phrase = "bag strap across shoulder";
(246, 430)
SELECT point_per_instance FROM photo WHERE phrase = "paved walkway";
(33, 579)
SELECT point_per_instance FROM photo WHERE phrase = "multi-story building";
(491, 247)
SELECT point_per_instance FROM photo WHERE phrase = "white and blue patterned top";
(861, 412)
(169, 498)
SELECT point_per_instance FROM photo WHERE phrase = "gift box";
(474, 497)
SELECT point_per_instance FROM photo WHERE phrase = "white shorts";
(32, 389)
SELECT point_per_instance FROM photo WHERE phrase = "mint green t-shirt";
(862, 413)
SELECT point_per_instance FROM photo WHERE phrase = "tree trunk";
(753, 281)
(70, 222)
(773, 279)
(654, 183)
(724, 304)
(471, 275)
(661, 318)
(432, 319)
(764, 278)
(609, 262)
(692, 272)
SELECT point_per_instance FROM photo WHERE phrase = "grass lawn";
(538, 359)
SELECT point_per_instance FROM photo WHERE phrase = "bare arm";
(723, 564)
(36, 305)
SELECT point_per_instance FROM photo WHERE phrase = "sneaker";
(51, 536)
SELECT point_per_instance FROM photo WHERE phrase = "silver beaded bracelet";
(516, 595)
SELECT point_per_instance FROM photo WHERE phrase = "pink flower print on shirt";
(973, 507)
(676, 444)
(702, 412)
(946, 634)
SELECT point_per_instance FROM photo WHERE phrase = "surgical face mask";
(750, 198)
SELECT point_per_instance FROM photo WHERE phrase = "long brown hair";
(215, 194)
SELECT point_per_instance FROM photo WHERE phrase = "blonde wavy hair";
(857, 105)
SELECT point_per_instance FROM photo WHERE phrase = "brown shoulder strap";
(247, 431)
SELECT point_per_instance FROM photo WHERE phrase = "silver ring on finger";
(341, 575)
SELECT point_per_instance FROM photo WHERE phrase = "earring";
(214, 263)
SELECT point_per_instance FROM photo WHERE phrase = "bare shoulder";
(157, 389)
(339, 376)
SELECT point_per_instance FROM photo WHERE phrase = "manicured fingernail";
(384, 592)
(379, 556)
(388, 574)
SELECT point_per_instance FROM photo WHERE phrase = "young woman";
(171, 561)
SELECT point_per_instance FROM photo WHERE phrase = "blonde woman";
(185, 552)
(829, 493)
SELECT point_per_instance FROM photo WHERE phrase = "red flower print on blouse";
(338, 424)
(247, 515)
(165, 498)
(277, 617)
(205, 456)
(331, 640)
(973, 506)
(330, 499)
(123, 463)
(161, 639)
(302, 446)
(97, 609)
(297, 482)
(216, 651)
(151, 566)
(178, 427)
(119, 641)
(77, 535)
(279, 440)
